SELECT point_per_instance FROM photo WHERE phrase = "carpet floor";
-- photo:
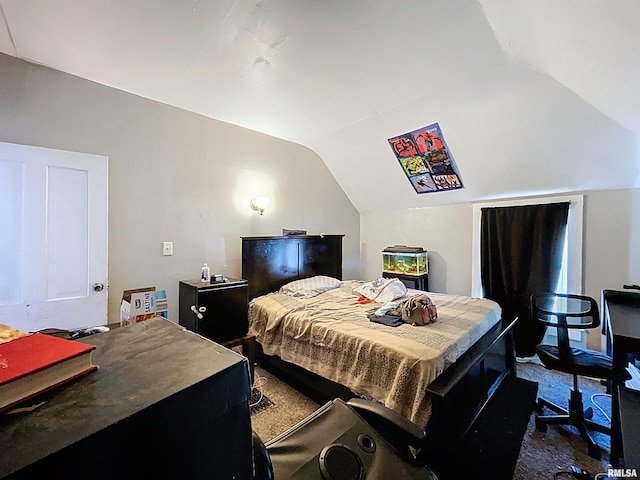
(541, 454)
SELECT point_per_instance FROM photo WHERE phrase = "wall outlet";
(167, 248)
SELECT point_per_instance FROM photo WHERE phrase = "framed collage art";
(426, 160)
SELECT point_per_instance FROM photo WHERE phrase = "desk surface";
(623, 308)
(156, 385)
(625, 320)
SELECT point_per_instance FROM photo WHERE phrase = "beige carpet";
(289, 406)
(541, 454)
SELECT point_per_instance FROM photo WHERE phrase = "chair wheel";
(588, 413)
(541, 426)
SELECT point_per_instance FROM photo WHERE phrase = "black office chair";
(350, 440)
(564, 312)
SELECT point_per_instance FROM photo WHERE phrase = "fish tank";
(405, 260)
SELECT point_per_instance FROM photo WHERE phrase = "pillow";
(382, 290)
(310, 287)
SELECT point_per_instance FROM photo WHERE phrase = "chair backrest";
(557, 310)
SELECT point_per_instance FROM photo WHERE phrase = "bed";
(439, 376)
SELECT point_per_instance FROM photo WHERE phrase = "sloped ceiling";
(533, 97)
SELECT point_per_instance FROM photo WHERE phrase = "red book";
(35, 363)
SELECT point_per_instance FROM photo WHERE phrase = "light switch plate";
(167, 248)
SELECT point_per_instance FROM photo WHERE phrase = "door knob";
(98, 287)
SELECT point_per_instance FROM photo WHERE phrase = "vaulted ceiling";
(533, 96)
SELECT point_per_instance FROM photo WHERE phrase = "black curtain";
(521, 253)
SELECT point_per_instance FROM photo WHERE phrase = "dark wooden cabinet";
(419, 282)
(223, 307)
(270, 262)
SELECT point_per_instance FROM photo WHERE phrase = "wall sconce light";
(259, 204)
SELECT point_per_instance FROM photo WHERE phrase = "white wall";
(611, 242)
(174, 176)
(445, 232)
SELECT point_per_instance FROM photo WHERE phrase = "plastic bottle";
(205, 275)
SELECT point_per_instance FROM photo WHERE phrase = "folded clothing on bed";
(388, 320)
(381, 290)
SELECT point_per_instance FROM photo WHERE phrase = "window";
(570, 280)
(577, 337)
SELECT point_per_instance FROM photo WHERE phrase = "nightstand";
(220, 308)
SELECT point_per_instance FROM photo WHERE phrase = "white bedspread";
(331, 336)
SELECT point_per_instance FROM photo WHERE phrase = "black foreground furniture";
(164, 403)
(350, 440)
(621, 325)
(565, 312)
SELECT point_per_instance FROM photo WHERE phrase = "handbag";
(419, 310)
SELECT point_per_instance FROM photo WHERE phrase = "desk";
(164, 403)
(630, 425)
(622, 329)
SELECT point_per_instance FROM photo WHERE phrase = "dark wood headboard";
(270, 262)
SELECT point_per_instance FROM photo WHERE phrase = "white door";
(53, 238)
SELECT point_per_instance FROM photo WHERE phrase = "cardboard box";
(142, 304)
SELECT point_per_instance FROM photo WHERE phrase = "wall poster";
(426, 160)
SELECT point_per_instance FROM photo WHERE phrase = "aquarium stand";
(419, 282)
